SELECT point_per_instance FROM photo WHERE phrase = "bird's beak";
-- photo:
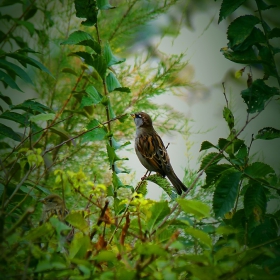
(133, 116)
(42, 200)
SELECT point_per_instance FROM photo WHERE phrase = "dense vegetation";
(68, 141)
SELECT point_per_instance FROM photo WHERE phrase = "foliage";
(69, 143)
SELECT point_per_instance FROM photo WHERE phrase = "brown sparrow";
(152, 152)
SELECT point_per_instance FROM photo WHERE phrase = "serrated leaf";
(226, 192)
(42, 117)
(110, 59)
(82, 38)
(228, 7)
(195, 207)
(93, 94)
(79, 246)
(112, 82)
(86, 57)
(258, 170)
(8, 80)
(159, 211)
(77, 220)
(214, 171)
(210, 158)
(205, 145)
(15, 69)
(256, 95)
(268, 133)
(255, 201)
(228, 116)
(112, 156)
(201, 236)
(116, 181)
(244, 57)
(19, 118)
(8, 132)
(263, 6)
(240, 29)
(99, 65)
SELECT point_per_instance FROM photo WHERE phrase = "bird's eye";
(139, 116)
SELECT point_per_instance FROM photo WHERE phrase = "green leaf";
(28, 25)
(226, 192)
(228, 116)
(8, 80)
(99, 65)
(116, 181)
(150, 249)
(93, 94)
(42, 117)
(104, 5)
(228, 7)
(211, 157)
(201, 236)
(255, 201)
(97, 134)
(38, 232)
(59, 226)
(214, 171)
(263, 6)
(256, 95)
(77, 220)
(258, 170)
(105, 256)
(16, 70)
(87, 9)
(110, 59)
(23, 59)
(195, 207)
(79, 246)
(268, 133)
(62, 133)
(159, 211)
(8, 132)
(32, 106)
(82, 38)
(243, 57)
(274, 33)
(112, 82)
(6, 99)
(86, 57)
(112, 155)
(240, 29)
(206, 145)
(19, 118)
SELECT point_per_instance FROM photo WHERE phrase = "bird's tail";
(177, 184)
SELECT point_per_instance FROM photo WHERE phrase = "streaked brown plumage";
(152, 152)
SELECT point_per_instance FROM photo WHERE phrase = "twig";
(224, 92)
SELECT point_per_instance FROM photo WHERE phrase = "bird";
(53, 205)
(151, 151)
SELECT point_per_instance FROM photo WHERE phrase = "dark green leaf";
(159, 211)
(116, 181)
(100, 65)
(215, 171)
(93, 94)
(19, 118)
(228, 116)
(23, 59)
(8, 80)
(84, 39)
(240, 29)
(244, 57)
(6, 99)
(8, 132)
(258, 170)
(268, 133)
(206, 145)
(15, 69)
(274, 33)
(86, 57)
(112, 82)
(228, 7)
(268, 61)
(255, 201)
(263, 6)
(111, 111)
(199, 235)
(30, 105)
(104, 5)
(256, 95)
(226, 192)
(28, 25)
(5, 3)
(31, 12)
(110, 59)
(123, 89)
(222, 143)
(86, 9)
(210, 159)
(112, 155)
(69, 70)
